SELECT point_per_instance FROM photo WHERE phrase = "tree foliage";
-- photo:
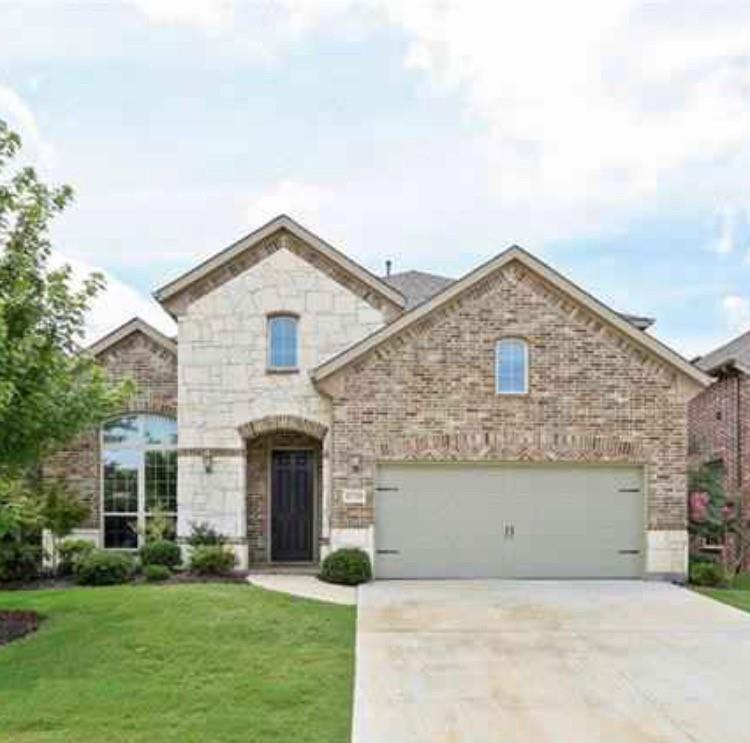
(49, 391)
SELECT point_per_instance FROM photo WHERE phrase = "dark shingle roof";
(735, 353)
(418, 287)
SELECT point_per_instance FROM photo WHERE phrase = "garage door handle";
(629, 552)
(387, 552)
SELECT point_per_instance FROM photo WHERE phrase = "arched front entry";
(284, 487)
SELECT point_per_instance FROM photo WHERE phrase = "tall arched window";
(139, 477)
(512, 367)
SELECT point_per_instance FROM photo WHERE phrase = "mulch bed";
(15, 624)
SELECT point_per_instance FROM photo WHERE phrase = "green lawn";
(208, 662)
(738, 594)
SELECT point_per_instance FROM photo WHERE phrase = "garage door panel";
(436, 521)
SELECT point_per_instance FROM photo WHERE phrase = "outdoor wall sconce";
(208, 461)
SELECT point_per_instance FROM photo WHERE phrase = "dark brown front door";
(292, 506)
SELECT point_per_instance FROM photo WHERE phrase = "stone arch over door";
(270, 423)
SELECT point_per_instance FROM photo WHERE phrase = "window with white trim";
(282, 342)
(139, 477)
(511, 367)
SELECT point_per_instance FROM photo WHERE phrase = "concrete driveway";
(448, 661)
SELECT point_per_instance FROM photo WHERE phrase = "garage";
(508, 521)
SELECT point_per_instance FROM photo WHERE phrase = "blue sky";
(612, 139)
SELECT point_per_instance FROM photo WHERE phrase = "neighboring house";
(719, 419)
(505, 424)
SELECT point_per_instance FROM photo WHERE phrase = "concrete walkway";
(513, 661)
(305, 586)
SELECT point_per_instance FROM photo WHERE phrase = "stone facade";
(226, 391)
(153, 368)
(428, 393)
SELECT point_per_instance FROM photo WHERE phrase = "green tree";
(49, 391)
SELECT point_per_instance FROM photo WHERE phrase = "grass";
(737, 594)
(205, 662)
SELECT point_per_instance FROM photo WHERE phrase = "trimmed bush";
(212, 559)
(204, 534)
(707, 574)
(349, 567)
(155, 573)
(70, 552)
(161, 552)
(19, 561)
(102, 568)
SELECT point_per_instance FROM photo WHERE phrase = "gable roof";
(134, 325)
(417, 286)
(735, 353)
(453, 290)
(280, 223)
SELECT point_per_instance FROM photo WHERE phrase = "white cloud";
(209, 15)
(737, 312)
(725, 243)
(590, 107)
(299, 200)
(117, 304)
(21, 118)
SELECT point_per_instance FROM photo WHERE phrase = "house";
(504, 424)
(719, 420)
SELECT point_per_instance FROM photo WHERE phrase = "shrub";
(161, 552)
(347, 566)
(212, 559)
(102, 568)
(19, 560)
(70, 551)
(205, 534)
(154, 573)
(707, 574)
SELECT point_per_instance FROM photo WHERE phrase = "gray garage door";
(508, 521)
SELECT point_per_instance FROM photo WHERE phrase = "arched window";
(511, 367)
(282, 342)
(139, 477)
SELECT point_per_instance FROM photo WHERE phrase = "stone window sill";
(282, 370)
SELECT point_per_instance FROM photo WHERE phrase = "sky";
(612, 139)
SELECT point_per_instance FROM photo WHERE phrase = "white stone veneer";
(667, 553)
(223, 381)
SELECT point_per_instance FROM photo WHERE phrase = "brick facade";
(719, 431)
(153, 368)
(719, 426)
(428, 393)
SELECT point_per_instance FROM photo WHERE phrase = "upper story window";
(283, 349)
(512, 367)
